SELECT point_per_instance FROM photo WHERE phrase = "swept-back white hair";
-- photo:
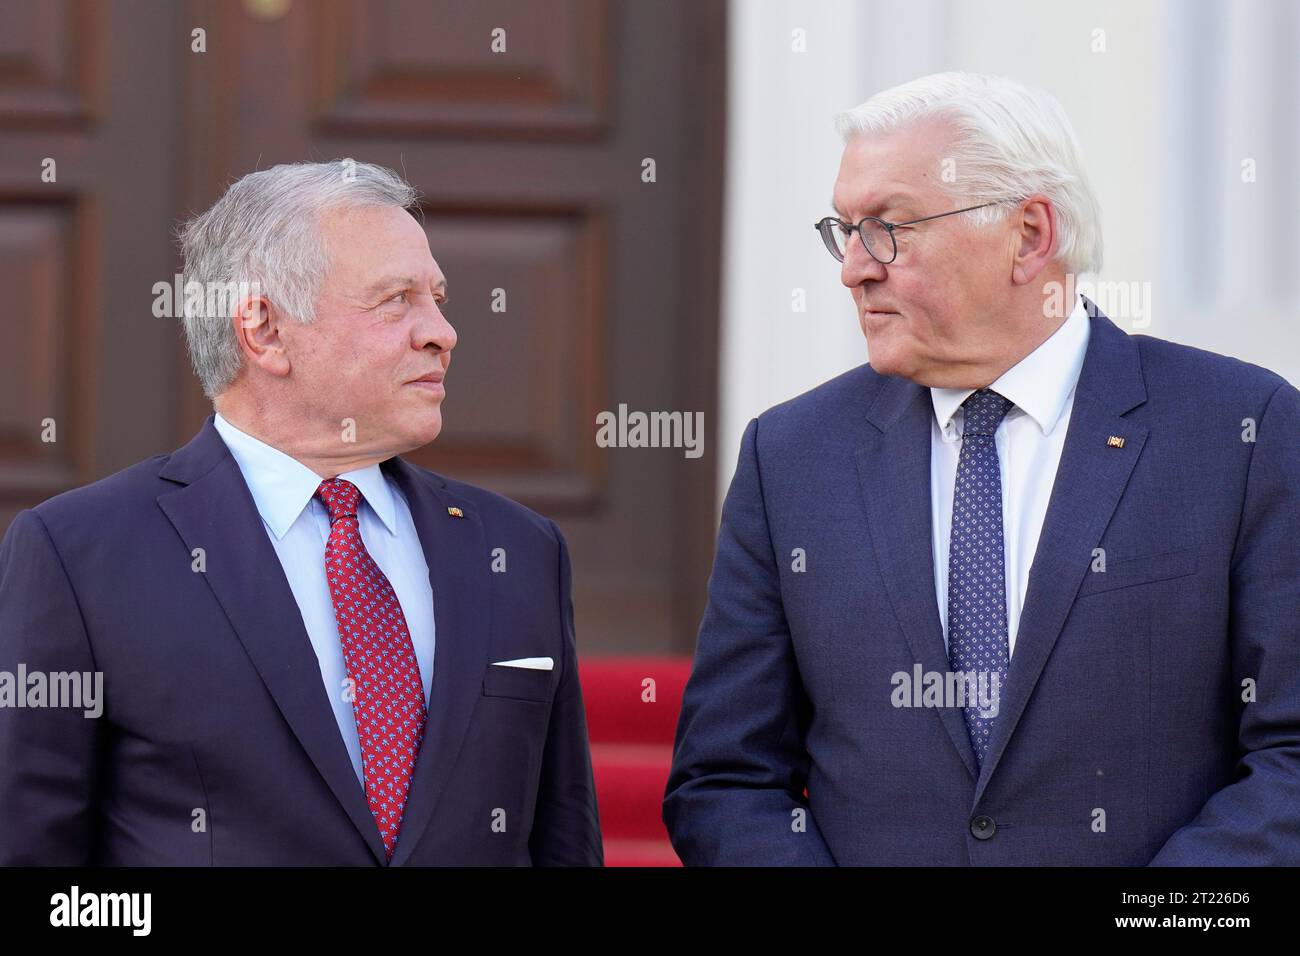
(264, 232)
(1010, 140)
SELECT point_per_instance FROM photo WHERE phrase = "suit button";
(983, 827)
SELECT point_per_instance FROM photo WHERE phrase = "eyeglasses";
(877, 235)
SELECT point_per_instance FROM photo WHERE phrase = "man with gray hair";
(308, 656)
(1024, 588)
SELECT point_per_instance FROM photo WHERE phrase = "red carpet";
(631, 750)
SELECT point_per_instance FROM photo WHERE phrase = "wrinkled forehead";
(364, 241)
(895, 173)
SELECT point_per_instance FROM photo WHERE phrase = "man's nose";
(859, 265)
(432, 328)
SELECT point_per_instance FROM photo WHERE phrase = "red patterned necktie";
(380, 661)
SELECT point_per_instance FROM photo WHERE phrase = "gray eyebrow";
(885, 202)
(387, 282)
(390, 282)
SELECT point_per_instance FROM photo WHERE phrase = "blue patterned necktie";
(977, 598)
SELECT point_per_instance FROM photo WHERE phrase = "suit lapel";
(214, 510)
(894, 470)
(1089, 482)
(455, 549)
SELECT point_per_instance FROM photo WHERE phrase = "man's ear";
(1035, 238)
(257, 326)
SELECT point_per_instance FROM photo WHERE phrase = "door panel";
(529, 160)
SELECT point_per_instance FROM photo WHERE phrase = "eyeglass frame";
(889, 227)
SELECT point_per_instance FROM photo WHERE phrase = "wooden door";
(526, 125)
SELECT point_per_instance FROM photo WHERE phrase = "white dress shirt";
(1029, 443)
(298, 525)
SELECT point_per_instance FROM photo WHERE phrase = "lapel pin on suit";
(455, 512)
(1114, 441)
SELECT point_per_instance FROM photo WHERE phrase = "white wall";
(782, 156)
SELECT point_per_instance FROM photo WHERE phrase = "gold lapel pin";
(455, 512)
(1114, 441)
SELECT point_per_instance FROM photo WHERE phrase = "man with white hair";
(1024, 589)
(307, 654)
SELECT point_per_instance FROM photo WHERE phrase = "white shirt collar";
(282, 486)
(1040, 383)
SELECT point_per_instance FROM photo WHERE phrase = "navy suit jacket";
(214, 698)
(1125, 734)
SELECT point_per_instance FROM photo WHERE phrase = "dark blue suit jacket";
(214, 698)
(1122, 737)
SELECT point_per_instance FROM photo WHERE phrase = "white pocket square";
(530, 663)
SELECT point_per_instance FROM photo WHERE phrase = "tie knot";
(340, 497)
(985, 410)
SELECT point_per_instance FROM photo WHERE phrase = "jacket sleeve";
(566, 824)
(735, 791)
(1255, 820)
(48, 755)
